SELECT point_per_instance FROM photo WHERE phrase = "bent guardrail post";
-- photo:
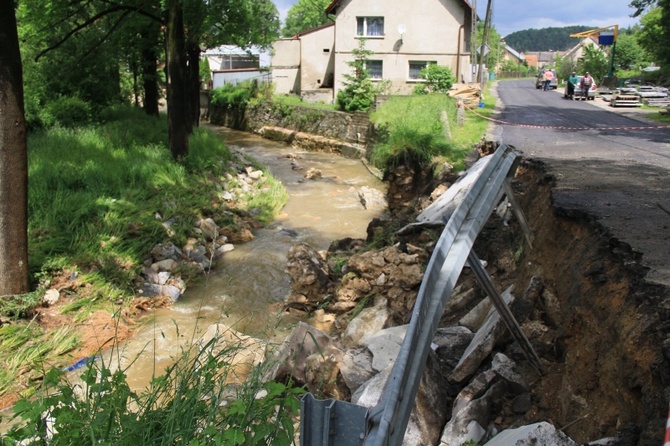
(386, 423)
(505, 313)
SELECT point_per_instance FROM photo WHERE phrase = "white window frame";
(409, 69)
(381, 69)
(363, 27)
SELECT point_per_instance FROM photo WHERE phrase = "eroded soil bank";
(609, 369)
(600, 330)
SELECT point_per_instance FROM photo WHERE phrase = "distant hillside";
(545, 39)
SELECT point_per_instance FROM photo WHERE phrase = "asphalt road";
(608, 163)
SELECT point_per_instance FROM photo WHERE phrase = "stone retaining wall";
(304, 127)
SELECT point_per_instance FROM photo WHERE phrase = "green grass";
(415, 134)
(98, 198)
(192, 403)
(660, 117)
(292, 99)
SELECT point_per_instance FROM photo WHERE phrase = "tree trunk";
(193, 52)
(178, 116)
(150, 67)
(13, 161)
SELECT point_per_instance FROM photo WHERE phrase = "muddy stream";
(248, 287)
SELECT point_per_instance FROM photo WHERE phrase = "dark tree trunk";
(193, 52)
(150, 68)
(178, 116)
(13, 161)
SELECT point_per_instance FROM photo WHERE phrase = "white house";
(404, 37)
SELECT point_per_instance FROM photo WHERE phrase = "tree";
(650, 31)
(594, 61)
(178, 125)
(13, 161)
(359, 91)
(81, 48)
(131, 28)
(494, 45)
(564, 66)
(628, 54)
(641, 5)
(305, 14)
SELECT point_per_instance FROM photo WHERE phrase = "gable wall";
(286, 66)
(317, 59)
(432, 30)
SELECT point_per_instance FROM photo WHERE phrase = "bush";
(232, 96)
(358, 95)
(439, 79)
(66, 112)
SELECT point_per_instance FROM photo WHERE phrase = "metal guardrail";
(340, 423)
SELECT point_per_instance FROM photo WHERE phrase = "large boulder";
(311, 357)
(430, 410)
(308, 272)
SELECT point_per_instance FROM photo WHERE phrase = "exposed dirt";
(607, 372)
(96, 332)
(606, 350)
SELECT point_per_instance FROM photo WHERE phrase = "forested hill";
(545, 39)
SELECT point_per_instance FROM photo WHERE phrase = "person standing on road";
(548, 76)
(572, 82)
(585, 84)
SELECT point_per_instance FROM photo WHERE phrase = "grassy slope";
(99, 198)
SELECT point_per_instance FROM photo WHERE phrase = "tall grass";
(190, 404)
(414, 133)
(99, 198)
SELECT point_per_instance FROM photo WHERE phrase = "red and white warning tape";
(649, 127)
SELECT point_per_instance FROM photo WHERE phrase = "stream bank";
(581, 299)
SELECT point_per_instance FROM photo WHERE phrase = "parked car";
(539, 81)
(578, 90)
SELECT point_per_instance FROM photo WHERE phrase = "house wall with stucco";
(286, 66)
(434, 31)
(317, 58)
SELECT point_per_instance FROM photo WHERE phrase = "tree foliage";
(641, 6)
(564, 66)
(439, 79)
(305, 14)
(595, 62)
(655, 29)
(493, 53)
(545, 39)
(359, 91)
(629, 54)
(107, 52)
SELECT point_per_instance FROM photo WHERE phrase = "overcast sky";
(510, 15)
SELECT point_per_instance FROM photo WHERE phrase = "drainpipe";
(458, 54)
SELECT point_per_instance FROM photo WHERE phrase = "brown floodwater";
(249, 285)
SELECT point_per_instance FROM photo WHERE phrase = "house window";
(370, 26)
(415, 67)
(374, 68)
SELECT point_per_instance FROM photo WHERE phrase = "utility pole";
(485, 38)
